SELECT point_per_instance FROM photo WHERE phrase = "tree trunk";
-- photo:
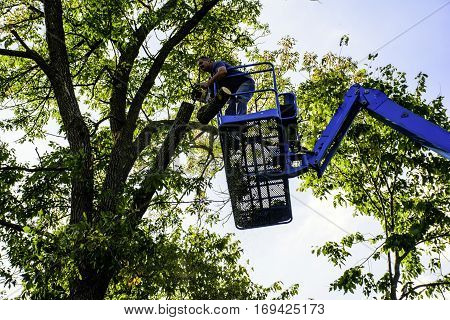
(77, 131)
(93, 283)
(396, 278)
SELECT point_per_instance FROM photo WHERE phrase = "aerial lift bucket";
(252, 146)
(255, 147)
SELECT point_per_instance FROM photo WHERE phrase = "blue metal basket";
(256, 147)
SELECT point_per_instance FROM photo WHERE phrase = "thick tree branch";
(33, 54)
(74, 124)
(15, 53)
(124, 153)
(148, 188)
(127, 59)
(396, 277)
(28, 54)
(11, 226)
(149, 80)
(57, 45)
(206, 113)
(21, 41)
(145, 136)
(122, 162)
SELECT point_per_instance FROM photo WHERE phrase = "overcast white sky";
(409, 42)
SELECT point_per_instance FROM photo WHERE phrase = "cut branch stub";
(207, 112)
(174, 136)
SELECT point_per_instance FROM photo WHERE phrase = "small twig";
(371, 255)
(39, 156)
(54, 135)
(97, 124)
(434, 284)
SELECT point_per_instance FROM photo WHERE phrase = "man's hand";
(204, 85)
(220, 74)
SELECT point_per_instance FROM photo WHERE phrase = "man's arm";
(220, 74)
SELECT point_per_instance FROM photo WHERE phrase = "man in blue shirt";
(237, 81)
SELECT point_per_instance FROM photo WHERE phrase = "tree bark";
(82, 190)
(93, 283)
(396, 278)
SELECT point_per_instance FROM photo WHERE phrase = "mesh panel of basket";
(259, 196)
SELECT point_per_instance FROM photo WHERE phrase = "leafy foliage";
(113, 49)
(384, 175)
(285, 61)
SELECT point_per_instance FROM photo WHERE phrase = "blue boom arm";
(381, 107)
(262, 150)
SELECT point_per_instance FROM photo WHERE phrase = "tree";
(101, 214)
(384, 175)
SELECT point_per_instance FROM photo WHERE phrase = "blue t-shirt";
(234, 77)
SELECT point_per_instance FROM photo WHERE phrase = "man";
(224, 76)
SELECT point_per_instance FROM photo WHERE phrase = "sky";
(410, 34)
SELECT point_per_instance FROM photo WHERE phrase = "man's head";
(205, 64)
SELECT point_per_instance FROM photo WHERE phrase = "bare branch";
(28, 54)
(426, 285)
(11, 226)
(35, 169)
(372, 254)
